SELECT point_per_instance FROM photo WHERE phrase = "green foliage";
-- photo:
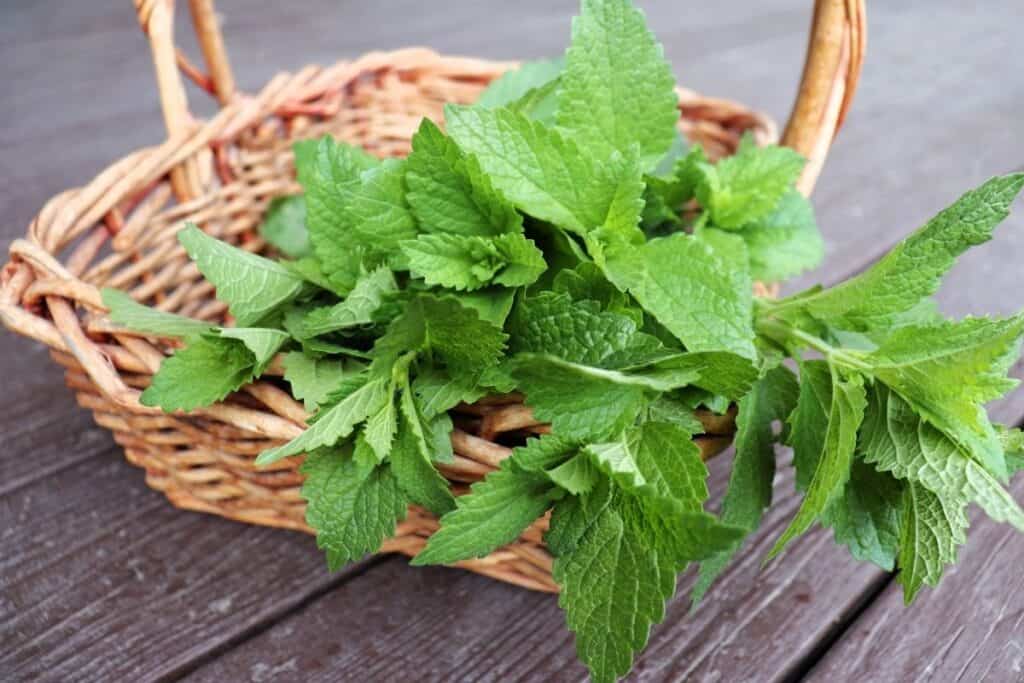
(561, 242)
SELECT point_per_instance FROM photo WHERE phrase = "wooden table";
(101, 579)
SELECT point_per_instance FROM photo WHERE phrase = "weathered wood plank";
(969, 628)
(101, 579)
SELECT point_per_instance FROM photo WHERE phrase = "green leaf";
(833, 469)
(545, 452)
(720, 372)
(748, 185)
(541, 172)
(253, 287)
(580, 402)
(613, 590)
(126, 311)
(678, 536)
(411, 461)
(539, 104)
(453, 332)
(749, 491)
(494, 513)
(356, 310)
(202, 373)
(577, 475)
(579, 332)
(312, 379)
(352, 507)
(515, 83)
(931, 529)
(670, 463)
(866, 516)
(573, 516)
(617, 89)
(911, 271)
(492, 304)
(438, 391)
(809, 420)
(335, 423)
(449, 193)
(897, 440)
(691, 290)
(284, 226)
(946, 371)
(352, 209)
(617, 460)
(664, 196)
(263, 343)
(786, 242)
(463, 262)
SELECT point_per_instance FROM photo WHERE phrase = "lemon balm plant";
(558, 239)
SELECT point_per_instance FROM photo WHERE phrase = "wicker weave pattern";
(119, 231)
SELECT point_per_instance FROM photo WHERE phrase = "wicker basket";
(119, 231)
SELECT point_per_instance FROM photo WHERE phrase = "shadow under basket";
(120, 231)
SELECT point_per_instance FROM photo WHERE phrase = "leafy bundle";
(560, 240)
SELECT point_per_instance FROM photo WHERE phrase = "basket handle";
(835, 54)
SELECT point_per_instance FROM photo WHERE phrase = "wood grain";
(106, 581)
(938, 112)
(969, 628)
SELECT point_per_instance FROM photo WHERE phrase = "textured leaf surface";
(946, 371)
(494, 513)
(202, 373)
(613, 590)
(354, 207)
(541, 172)
(579, 332)
(253, 287)
(445, 327)
(352, 507)
(412, 461)
(786, 242)
(617, 90)
(515, 83)
(449, 193)
(683, 283)
(897, 440)
(748, 185)
(932, 528)
(579, 401)
(357, 309)
(866, 517)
